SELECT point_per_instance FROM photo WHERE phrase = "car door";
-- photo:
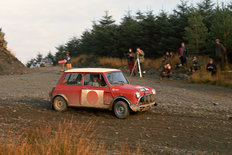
(93, 94)
(72, 86)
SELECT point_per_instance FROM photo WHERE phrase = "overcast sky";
(33, 26)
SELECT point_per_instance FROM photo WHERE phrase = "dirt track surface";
(189, 118)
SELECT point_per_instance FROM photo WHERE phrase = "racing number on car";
(92, 97)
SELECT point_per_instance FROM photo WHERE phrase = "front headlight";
(137, 94)
(153, 91)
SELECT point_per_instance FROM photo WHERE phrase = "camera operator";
(140, 55)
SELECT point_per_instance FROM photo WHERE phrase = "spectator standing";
(68, 61)
(220, 54)
(131, 60)
(183, 54)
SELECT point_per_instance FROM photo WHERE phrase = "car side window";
(96, 80)
(72, 79)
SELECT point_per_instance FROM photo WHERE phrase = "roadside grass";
(81, 60)
(220, 79)
(112, 62)
(64, 138)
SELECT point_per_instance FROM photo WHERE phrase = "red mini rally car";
(101, 88)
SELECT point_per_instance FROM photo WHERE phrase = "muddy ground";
(189, 118)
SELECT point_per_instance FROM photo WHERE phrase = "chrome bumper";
(143, 107)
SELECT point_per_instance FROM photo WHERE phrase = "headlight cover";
(137, 94)
(153, 91)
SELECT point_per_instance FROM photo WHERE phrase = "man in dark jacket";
(220, 54)
(183, 54)
(211, 67)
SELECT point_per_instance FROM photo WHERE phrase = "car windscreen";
(116, 78)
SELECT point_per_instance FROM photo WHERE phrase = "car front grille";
(149, 98)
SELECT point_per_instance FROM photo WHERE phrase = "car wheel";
(121, 109)
(59, 104)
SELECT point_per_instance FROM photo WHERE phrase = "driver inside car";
(95, 81)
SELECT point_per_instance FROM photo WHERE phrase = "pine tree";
(49, 55)
(106, 20)
(39, 57)
(164, 34)
(222, 29)
(104, 34)
(86, 42)
(178, 21)
(60, 53)
(196, 33)
(147, 39)
(31, 62)
(128, 34)
(205, 8)
(73, 46)
(230, 7)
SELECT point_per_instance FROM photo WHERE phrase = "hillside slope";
(9, 64)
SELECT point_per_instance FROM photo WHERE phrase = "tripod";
(137, 61)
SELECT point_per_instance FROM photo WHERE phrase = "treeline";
(198, 25)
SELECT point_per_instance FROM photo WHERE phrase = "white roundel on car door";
(92, 97)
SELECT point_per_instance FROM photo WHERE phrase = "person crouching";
(211, 67)
(166, 71)
(195, 65)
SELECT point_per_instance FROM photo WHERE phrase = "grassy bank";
(221, 79)
(64, 138)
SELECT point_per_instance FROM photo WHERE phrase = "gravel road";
(189, 118)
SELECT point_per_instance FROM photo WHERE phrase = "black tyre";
(121, 109)
(59, 104)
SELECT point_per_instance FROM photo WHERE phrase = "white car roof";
(93, 70)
